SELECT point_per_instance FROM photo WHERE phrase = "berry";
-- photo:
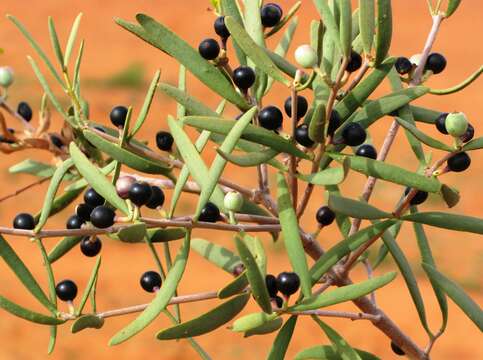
(403, 65)
(92, 198)
(90, 247)
(83, 211)
(102, 217)
(419, 198)
(74, 222)
(302, 136)
(270, 117)
(469, 134)
(278, 301)
(334, 123)
(209, 49)
(368, 151)
(396, 349)
(24, 221)
(57, 141)
(25, 111)
(302, 106)
(325, 216)
(164, 140)
(123, 184)
(156, 199)
(271, 283)
(150, 281)
(220, 27)
(5, 140)
(210, 213)
(6, 76)
(271, 14)
(238, 269)
(456, 124)
(118, 116)
(355, 62)
(306, 56)
(440, 123)
(66, 290)
(436, 63)
(244, 77)
(353, 134)
(288, 283)
(233, 201)
(459, 162)
(139, 193)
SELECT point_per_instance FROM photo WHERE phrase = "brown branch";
(339, 314)
(25, 188)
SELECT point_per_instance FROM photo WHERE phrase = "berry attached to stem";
(25, 111)
(288, 283)
(233, 201)
(210, 213)
(66, 290)
(209, 49)
(90, 247)
(270, 117)
(24, 221)
(92, 198)
(302, 106)
(74, 222)
(459, 162)
(353, 134)
(306, 56)
(271, 283)
(469, 134)
(6, 76)
(271, 14)
(156, 199)
(368, 151)
(440, 123)
(403, 65)
(355, 62)
(325, 216)
(220, 28)
(123, 184)
(436, 63)
(139, 193)
(164, 140)
(150, 281)
(118, 116)
(456, 124)
(419, 198)
(244, 77)
(302, 136)
(102, 217)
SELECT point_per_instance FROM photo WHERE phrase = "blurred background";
(117, 69)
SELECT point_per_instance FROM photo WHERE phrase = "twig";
(15, 114)
(339, 314)
(25, 188)
(360, 74)
(292, 179)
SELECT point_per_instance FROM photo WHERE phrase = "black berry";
(118, 116)
(83, 211)
(353, 134)
(403, 65)
(278, 301)
(57, 141)
(419, 198)
(271, 14)
(396, 349)
(334, 123)
(139, 193)
(24, 110)
(210, 213)
(90, 247)
(150, 281)
(436, 63)
(164, 140)
(102, 217)
(7, 141)
(244, 77)
(209, 49)
(440, 123)
(325, 216)
(270, 117)
(288, 283)
(302, 106)
(355, 62)
(92, 198)
(302, 135)
(271, 283)
(74, 222)
(24, 221)
(368, 151)
(156, 199)
(220, 28)
(66, 290)
(469, 134)
(459, 162)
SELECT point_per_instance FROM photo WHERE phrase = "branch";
(339, 314)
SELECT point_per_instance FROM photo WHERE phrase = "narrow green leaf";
(77, 65)
(356, 209)
(216, 254)
(87, 322)
(249, 159)
(146, 105)
(424, 115)
(317, 124)
(281, 342)
(452, 7)
(447, 221)
(90, 284)
(290, 14)
(52, 339)
(26, 314)
(165, 235)
(71, 40)
(252, 321)
(253, 22)
(367, 13)
(345, 26)
(330, 176)
(267, 328)
(327, 352)
(384, 30)
(426, 139)
(329, 20)
(33, 167)
(63, 246)
(54, 39)
(450, 195)
(474, 144)
(230, 8)
(132, 234)
(234, 287)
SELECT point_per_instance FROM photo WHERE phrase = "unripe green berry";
(456, 124)
(233, 201)
(6, 76)
(306, 56)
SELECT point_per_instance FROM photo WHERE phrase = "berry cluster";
(435, 63)
(287, 283)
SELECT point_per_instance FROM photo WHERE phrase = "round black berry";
(271, 14)
(83, 211)
(150, 281)
(288, 283)
(368, 151)
(74, 222)
(210, 213)
(220, 27)
(66, 290)
(302, 136)
(355, 62)
(325, 216)
(270, 117)
(57, 141)
(24, 110)
(436, 63)
(334, 123)
(403, 65)
(139, 193)
(419, 198)
(102, 217)
(271, 283)
(440, 123)
(353, 134)
(469, 134)
(396, 349)
(278, 301)
(244, 77)
(90, 247)
(156, 199)
(24, 221)
(164, 140)
(118, 116)
(459, 162)
(92, 198)
(209, 49)
(302, 106)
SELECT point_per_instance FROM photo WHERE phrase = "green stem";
(460, 86)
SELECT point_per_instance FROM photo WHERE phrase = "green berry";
(6, 76)
(233, 201)
(456, 124)
(306, 56)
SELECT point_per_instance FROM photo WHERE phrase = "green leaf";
(252, 321)
(345, 293)
(216, 254)
(356, 209)
(193, 106)
(428, 140)
(71, 40)
(367, 13)
(96, 179)
(207, 322)
(291, 235)
(230, 8)
(254, 276)
(424, 115)
(146, 105)
(345, 26)
(87, 322)
(452, 6)
(165, 235)
(32, 167)
(457, 294)
(63, 246)
(267, 328)
(162, 298)
(329, 20)
(234, 287)
(317, 124)
(450, 195)
(474, 144)
(132, 234)
(326, 352)
(281, 342)
(447, 221)
(26, 314)
(384, 30)
(54, 39)
(330, 176)
(249, 159)
(89, 286)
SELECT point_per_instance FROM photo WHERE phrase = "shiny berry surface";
(367, 150)
(164, 140)
(353, 134)
(302, 106)
(66, 290)
(325, 216)
(90, 247)
(302, 136)
(355, 62)
(74, 222)
(244, 77)
(403, 65)
(156, 199)
(102, 217)
(271, 283)
(210, 213)
(139, 193)
(220, 27)
(150, 281)
(440, 123)
(24, 221)
(271, 14)
(92, 198)
(270, 117)
(25, 111)
(436, 63)
(419, 198)
(118, 116)
(209, 49)
(459, 162)
(278, 301)
(288, 283)
(123, 184)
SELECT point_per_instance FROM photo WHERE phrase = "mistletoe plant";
(344, 61)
